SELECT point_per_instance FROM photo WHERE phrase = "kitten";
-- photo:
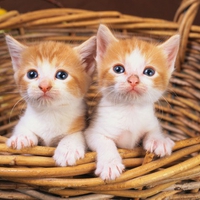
(53, 78)
(132, 76)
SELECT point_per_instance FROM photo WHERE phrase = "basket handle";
(185, 16)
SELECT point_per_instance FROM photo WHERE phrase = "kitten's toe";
(164, 148)
(109, 170)
(22, 141)
(161, 146)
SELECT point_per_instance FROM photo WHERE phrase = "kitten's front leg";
(22, 137)
(109, 162)
(70, 149)
(156, 142)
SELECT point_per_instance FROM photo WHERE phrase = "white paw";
(65, 155)
(160, 146)
(69, 150)
(109, 170)
(21, 141)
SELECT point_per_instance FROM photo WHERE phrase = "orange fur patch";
(117, 52)
(62, 56)
(77, 125)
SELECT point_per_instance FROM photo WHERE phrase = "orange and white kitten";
(53, 78)
(132, 76)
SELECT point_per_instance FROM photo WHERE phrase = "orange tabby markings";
(132, 75)
(53, 78)
(77, 125)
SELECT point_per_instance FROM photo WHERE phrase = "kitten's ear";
(170, 48)
(15, 49)
(104, 38)
(87, 52)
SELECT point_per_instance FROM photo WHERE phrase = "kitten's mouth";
(45, 97)
(135, 90)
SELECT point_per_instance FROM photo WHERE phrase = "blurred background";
(162, 9)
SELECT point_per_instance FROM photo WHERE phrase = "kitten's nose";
(133, 80)
(45, 86)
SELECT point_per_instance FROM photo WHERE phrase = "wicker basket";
(31, 173)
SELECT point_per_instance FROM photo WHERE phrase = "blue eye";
(149, 71)
(32, 74)
(62, 75)
(119, 69)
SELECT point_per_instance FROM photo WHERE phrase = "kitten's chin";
(46, 99)
(42, 100)
(135, 92)
(122, 98)
(132, 97)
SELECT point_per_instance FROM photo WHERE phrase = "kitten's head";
(131, 70)
(52, 73)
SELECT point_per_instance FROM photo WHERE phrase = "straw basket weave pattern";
(31, 173)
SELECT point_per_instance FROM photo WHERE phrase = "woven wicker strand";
(31, 173)
(128, 176)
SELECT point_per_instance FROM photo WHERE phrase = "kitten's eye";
(149, 71)
(32, 74)
(119, 69)
(62, 75)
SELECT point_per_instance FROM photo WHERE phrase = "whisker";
(163, 97)
(14, 106)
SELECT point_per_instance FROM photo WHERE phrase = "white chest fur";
(125, 124)
(50, 122)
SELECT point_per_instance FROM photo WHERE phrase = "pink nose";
(45, 86)
(133, 80)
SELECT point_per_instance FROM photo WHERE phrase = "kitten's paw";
(161, 146)
(21, 141)
(65, 155)
(70, 149)
(109, 170)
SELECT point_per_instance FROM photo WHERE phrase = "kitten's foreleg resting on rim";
(70, 149)
(155, 142)
(22, 137)
(109, 162)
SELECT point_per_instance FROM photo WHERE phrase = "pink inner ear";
(87, 53)
(172, 55)
(170, 48)
(90, 65)
(101, 47)
(15, 61)
(104, 38)
(15, 50)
